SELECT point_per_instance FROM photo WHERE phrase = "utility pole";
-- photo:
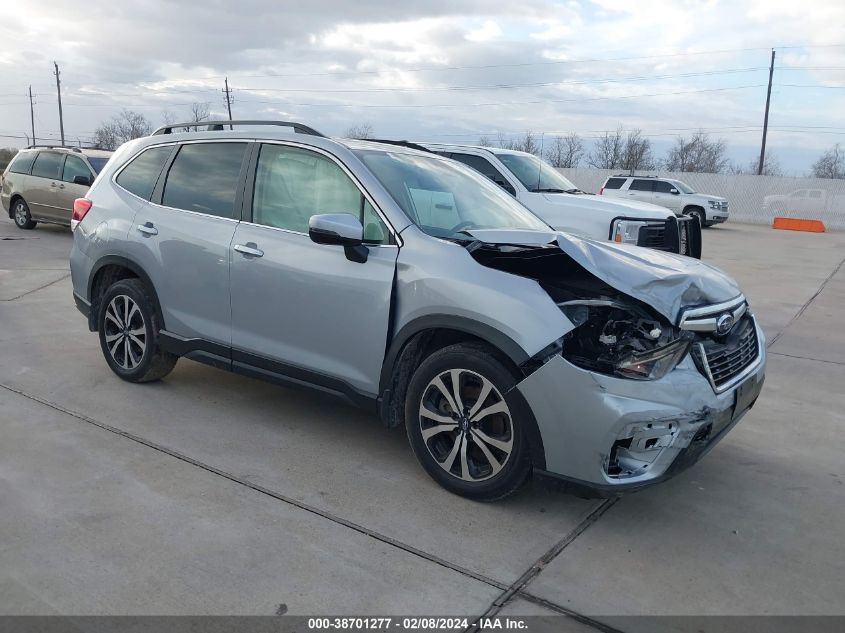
(228, 92)
(31, 115)
(59, 93)
(766, 117)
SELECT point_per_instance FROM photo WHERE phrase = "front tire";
(20, 213)
(464, 425)
(698, 214)
(129, 329)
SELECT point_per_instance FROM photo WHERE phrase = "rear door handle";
(250, 249)
(148, 229)
(61, 186)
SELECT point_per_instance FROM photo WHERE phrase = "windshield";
(683, 187)
(444, 198)
(98, 163)
(535, 174)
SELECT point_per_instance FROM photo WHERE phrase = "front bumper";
(671, 422)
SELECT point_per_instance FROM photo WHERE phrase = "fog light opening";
(637, 448)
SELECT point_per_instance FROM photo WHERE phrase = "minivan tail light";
(81, 206)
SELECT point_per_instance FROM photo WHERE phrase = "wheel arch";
(12, 200)
(423, 336)
(109, 269)
(694, 207)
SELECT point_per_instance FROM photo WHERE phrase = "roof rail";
(216, 126)
(631, 176)
(407, 144)
(70, 147)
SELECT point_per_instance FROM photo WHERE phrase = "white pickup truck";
(562, 205)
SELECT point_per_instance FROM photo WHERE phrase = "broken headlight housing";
(622, 340)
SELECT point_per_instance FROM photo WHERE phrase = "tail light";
(601, 191)
(81, 206)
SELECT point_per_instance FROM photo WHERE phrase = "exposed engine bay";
(614, 333)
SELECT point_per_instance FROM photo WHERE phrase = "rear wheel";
(129, 329)
(21, 215)
(464, 428)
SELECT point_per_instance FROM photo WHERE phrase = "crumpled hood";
(667, 282)
(619, 206)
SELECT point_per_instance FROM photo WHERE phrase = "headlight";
(654, 364)
(714, 204)
(622, 340)
(626, 231)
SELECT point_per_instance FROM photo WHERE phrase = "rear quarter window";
(140, 175)
(614, 183)
(22, 163)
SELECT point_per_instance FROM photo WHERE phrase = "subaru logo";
(724, 323)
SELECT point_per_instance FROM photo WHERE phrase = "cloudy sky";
(448, 70)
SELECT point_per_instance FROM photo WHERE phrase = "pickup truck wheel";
(20, 211)
(128, 329)
(464, 427)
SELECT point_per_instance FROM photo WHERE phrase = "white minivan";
(556, 200)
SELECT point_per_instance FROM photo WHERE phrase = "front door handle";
(61, 186)
(250, 249)
(148, 229)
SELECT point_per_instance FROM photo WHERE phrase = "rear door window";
(47, 165)
(485, 167)
(641, 185)
(74, 167)
(204, 178)
(661, 186)
(614, 183)
(140, 176)
(22, 163)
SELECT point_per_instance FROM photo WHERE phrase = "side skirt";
(254, 366)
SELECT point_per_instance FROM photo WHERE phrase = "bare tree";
(831, 164)
(636, 153)
(199, 112)
(608, 150)
(363, 131)
(771, 166)
(699, 153)
(565, 151)
(6, 156)
(121, 128)
(485, 141)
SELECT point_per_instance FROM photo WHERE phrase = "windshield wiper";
(547, 190)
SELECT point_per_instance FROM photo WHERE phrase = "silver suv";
(41, 183)
(670, 193)
(412, 286)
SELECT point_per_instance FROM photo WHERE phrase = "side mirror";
(674, 192)
(342, 229)
(82, 180)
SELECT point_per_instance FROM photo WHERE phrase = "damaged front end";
(624, 398)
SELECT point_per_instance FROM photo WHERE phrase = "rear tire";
(21, 215)
(469, 438)
(129, 329)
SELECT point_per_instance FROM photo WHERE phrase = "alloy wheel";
(125, 332)
(20, 214)
(466, 425)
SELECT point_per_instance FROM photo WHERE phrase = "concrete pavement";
(213, 493)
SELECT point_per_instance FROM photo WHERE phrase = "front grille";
(676, 235)
(652, 236)
(723, 360)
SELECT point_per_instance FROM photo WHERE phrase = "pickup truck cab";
(561, 204)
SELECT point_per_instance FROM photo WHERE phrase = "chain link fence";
(753, 199)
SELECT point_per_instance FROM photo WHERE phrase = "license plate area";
(747, 393)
